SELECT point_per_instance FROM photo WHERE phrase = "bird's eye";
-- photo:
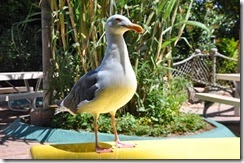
(118, 20)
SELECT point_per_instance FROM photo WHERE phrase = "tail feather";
(58, 102)
(61, 108)
(58, 110)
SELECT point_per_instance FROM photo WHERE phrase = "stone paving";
(12, 148)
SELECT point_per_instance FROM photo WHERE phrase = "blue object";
(24, 131)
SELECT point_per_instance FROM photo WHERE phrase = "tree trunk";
(41, 116)
(46, 49)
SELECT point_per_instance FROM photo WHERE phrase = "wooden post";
(42, 115)
(213, 54)
(238, 87)
(237, 83)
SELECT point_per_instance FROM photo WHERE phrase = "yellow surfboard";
(195, 148)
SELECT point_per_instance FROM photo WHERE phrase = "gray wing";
(84, 89)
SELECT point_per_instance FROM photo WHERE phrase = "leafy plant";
(222, 20)
(164, 100)
(20, 36)
(229, 48)
(127, 124)
(131, 125)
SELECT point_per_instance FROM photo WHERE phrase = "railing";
(201, 68)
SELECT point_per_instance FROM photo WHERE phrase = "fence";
(201, 68)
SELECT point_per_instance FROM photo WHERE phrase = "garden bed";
(22, 130)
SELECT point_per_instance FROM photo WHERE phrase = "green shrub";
(130, 125)
(162, 103)
(185, 123)
(229, 48)
(67, 121)
(20, 35)
(127, 124)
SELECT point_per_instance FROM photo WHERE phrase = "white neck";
(116, 51)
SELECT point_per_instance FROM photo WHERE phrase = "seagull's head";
(119, 24)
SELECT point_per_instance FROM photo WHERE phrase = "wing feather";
(83, 90)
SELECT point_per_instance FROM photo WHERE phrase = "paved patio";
(12, 148)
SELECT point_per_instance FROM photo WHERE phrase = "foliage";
(221, 17)
(130, 125)
(66, 121)
(162, 103)
(20, 36)
(230, 25)
(22, 19)
(228, 47)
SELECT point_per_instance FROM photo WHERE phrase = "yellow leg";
(99, 149)
(119, 144)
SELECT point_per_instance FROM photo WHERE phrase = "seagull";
(111, 85)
